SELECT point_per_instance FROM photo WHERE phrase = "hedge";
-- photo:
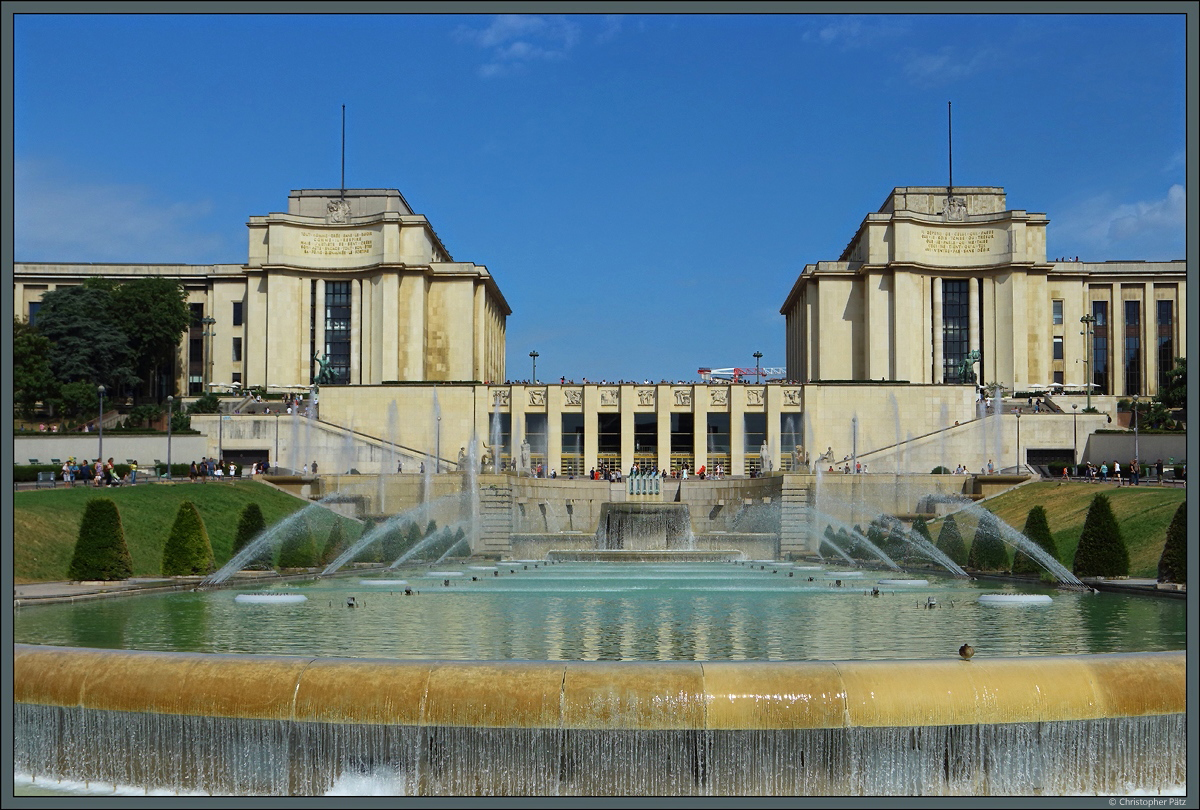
(1101, 551)
(1172, 567)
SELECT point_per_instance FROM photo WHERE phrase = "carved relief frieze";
(572, 396)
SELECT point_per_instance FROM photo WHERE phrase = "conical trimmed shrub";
(100, 549)
(950, 541)
(1172, 567)
(298, 549)
(1101, 551)
(988, 552)
(250, 525)
(188, 550)
(335, 544)
(1037, 529)
(922, 528)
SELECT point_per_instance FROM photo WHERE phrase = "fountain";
(589, 678)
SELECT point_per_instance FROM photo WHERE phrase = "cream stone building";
(878, 344)
(933, 276)
(352, 276)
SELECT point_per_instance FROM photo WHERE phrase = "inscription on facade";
(337, 243)
(958, 242)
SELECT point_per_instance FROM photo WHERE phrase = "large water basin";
(610, 611)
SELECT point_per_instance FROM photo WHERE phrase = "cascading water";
(419, 514)
(496, 436)
(269, 538)
(858, 537)
(1016, 540)
(433, 539)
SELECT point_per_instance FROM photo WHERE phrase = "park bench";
(45, 478)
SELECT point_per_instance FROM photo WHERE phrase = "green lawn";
(46, 522)
(1143, 513)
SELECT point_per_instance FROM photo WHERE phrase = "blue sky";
(644, 188)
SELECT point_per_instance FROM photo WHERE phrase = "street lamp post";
(1136, 455)
(758, 367)
(535, 356)
(209, 333)
(1018, 441)
(100, 422)
(170, 419)
(1087, 321)
(1075, 433)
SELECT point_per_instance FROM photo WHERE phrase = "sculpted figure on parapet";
(537, 396)
(720, 396)
(683, 396)
(608, 396)
(572, 396)
(754, 396)
(645, 396)
(791, 396)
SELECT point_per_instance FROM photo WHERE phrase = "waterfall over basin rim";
(465, 714)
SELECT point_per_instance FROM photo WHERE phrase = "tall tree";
(33, 376)
(88, 343)
(1175, 393)
(155, 314)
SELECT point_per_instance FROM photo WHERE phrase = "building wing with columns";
(352, 275)
(933, 276)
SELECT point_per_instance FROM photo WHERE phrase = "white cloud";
(949, 65)
(57, 217)
(854, 32)
(513, 40)
(1100, 228)
(1131, 221)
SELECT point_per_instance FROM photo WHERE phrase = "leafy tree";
(950, 541)
(1173, 395)
(335, 544)
(988, 552)
(209, 403)
(250, 525)
(298, 549)
(1101, 551)
(188, 550)
(88, 342)
(33, 377)
(1172, 567)
(78, 399)
(155, 315)
(100, 549)
(1037, 529)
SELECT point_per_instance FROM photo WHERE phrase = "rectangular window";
(34, 306)
(337, 330)
(609, 438)
(645, 434)
(535, 434)
(237, 313)
(1058, 378)
(718, 434)
(1058, 347)
(237, 376)
(197, 313)
(955, 329)
(237, 350)
(1166, 341)
(1133, 347)
(196, 350)
(1056, 307)
(572, 434)
(1100, 347)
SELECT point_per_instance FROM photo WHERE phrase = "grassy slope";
(46, 522)
(1142, 512)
